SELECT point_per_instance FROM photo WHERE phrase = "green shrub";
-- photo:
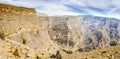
(15, 53)
(57, 56)
(80, 50)
(23, 40)
(38, 57)
(52, 56)
(2, 35)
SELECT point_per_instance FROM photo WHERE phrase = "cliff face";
(14, 9)
(106, 31)
(24, 33)
(86, 32)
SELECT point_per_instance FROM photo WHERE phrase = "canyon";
(27, 34)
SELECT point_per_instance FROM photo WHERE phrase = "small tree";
(58, 56)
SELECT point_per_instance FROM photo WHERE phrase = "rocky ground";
(112, 52)
(14, 50)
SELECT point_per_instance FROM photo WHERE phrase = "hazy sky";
(107, 8)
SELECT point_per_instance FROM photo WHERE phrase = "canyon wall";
(22, 27)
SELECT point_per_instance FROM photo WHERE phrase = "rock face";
(49, 34)
(87, 32)
(14, 9)
(102, 31)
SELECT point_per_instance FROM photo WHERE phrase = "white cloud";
(6, 1)
(108, 8)
(56, 10)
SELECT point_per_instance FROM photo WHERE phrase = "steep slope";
(106, 31)
(86, 32)
(24, 30)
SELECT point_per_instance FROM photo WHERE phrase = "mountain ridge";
(16, 9)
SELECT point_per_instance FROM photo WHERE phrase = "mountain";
(25, 34)
(87, 32)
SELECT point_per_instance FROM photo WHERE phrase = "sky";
(105, 8)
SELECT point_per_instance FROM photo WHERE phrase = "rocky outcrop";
(14, 9)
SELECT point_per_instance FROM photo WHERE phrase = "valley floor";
(112, 52)
(13, 50)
